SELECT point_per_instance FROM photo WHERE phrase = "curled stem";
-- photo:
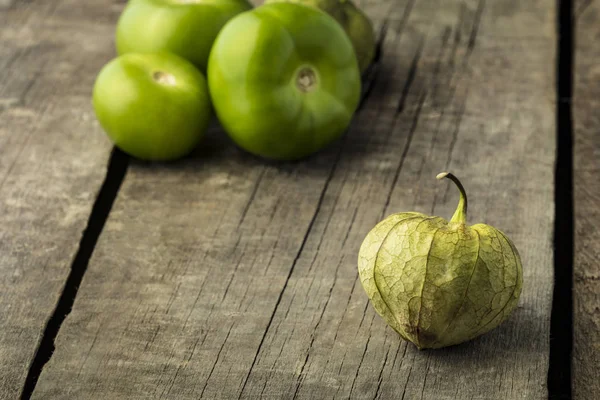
(460, 215)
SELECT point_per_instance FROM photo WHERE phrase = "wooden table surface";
(222, 276)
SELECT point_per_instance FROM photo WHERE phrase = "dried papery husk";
(437, 282)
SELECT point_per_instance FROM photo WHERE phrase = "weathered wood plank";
(52, 163)
(224, 277)
(586, 290)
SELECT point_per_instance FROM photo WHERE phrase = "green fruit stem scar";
(164, 78)
(460, 215)
(306, 79)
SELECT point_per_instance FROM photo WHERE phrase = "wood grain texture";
(52, 163)
(586, 290)
(223, 276)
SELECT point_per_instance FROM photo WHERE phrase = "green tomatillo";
(284, 80)
(152, 106)
(440, 283)
(187, 28)
(357, 25)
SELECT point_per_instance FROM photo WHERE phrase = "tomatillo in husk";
(437, 282)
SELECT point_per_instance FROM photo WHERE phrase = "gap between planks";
(116, 170)
(561, 320)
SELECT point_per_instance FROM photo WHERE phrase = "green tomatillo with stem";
(284, 80)
(437, 282)
(154, 107)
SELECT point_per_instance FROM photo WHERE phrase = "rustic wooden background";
(222, 276)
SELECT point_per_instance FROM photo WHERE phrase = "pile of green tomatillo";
(283, 78)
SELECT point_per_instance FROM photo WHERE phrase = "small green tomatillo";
(153, 106)
(437, 282)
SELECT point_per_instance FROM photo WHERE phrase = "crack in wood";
(117, 168)
(372, 74)
(362, 358)
(352, 220)
(314, 333)
(412, 71)
(404, 153)
(252, 196)
(561, 319)
(475, 30)
(298, 254)
(216, 362)
(405, 15)
(380, 378)
(582, 7)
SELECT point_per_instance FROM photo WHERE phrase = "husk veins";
(439, 283)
